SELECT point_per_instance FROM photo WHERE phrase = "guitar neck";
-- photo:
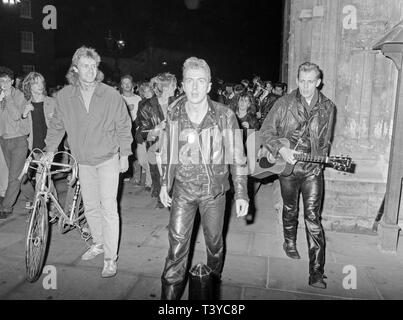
(305, 157)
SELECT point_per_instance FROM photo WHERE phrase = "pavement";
(255, 268)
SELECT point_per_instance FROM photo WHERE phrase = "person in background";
(39, 110)
(132, 102)
(249, 123)
(245, 114)
(145, 92)
(14, 132)
(3, 176)
(152, 121)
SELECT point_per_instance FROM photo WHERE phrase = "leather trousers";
(186, 199)
(311, 187)
(155, 178)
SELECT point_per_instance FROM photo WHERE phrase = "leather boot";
(317, 280)
(171, 292)
(291, 250)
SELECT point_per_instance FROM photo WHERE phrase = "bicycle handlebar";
(65, 167)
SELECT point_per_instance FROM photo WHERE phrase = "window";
(27, 68)
(25, 9)
(27, 42)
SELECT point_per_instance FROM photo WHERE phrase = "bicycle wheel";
(37, 240)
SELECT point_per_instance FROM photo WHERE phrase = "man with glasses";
(14, 131)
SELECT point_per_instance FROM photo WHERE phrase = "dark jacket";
(250, 118)
(224, 157)
(266, 105)
(286, 120)
(149, 115)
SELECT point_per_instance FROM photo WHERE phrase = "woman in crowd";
(151, 120)
(145, 92)
(245, 114)
(39, 110)
(248, 122)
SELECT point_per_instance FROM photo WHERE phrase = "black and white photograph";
(216, 153)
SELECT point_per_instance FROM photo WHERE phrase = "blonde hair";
(30, 79)
(196, 63)
(72, 75)
(161, 81)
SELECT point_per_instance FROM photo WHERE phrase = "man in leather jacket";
(203, 144)
(305, 118)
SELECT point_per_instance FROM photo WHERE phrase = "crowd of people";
(152, 134)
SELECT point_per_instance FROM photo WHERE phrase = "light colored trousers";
(143, 161)
(3, 174)
(99, 187)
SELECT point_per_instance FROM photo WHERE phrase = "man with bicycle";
(98, 126)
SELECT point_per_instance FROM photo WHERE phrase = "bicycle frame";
(45, 188)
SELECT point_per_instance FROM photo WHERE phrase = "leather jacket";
(287, 119)
(266, 105)
(149, 115)
(226, 153)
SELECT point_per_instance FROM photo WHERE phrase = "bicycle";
(46, 204)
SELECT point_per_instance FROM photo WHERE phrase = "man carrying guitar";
(305, 118)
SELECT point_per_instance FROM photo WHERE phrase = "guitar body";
(262, 168)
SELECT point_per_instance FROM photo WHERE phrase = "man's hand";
(245, 124)
(258, 115)
(263, 151)
(165, 199)
(241, 207)
(288, 155)
(2, 95)
(28, 108)
(161, 126)
(124, 163)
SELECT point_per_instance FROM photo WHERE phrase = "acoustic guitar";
(261, 167)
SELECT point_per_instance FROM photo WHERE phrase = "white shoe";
(93, 251)
(110, 268)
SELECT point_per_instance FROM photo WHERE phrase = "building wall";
(11, 25)
(338, 35)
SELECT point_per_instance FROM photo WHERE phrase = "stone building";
(339, 36)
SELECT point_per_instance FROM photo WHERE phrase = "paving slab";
(243, 270)
(292, 275)
(389, 282)
(11, 275)
(146, 288)
(271, 294)
(359, 249)
(76, 283)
